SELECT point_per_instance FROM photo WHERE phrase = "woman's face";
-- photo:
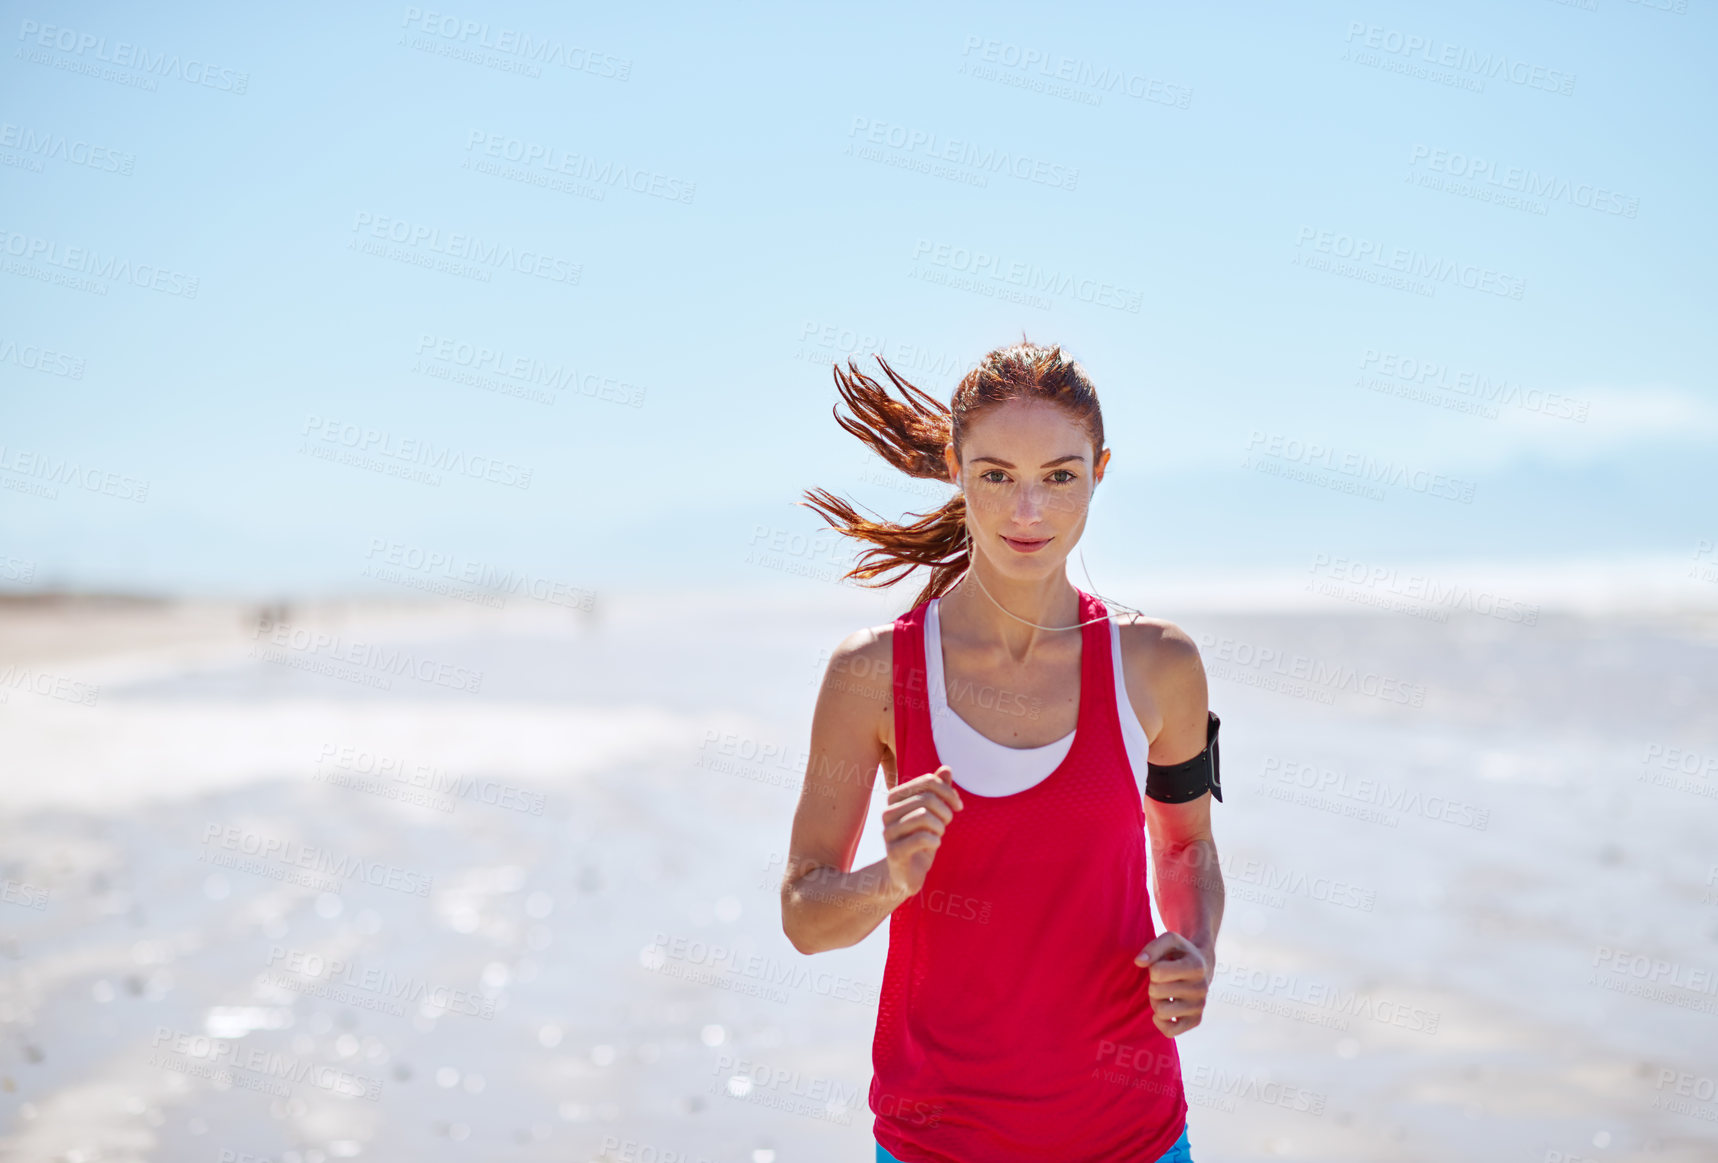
(1028, 480)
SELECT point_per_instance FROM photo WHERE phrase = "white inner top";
(989, 768)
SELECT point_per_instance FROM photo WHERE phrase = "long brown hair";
(910, 434)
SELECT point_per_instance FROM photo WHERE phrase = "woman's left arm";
(1188, 882)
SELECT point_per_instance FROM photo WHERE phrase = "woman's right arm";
(825, 902)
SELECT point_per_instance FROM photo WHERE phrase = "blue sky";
(1461, 250)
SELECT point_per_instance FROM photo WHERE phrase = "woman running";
(1029, 741)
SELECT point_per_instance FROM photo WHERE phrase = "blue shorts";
(1179, 1152)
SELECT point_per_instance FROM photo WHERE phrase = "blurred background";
(409, 635)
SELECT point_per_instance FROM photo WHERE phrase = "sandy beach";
(437, 881)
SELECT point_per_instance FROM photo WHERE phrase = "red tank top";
(1013, 1024)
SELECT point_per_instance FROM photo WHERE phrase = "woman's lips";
(1027, 546)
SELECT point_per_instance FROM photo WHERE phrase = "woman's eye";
(1067, 477)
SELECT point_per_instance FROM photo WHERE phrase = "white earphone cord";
(971, 559)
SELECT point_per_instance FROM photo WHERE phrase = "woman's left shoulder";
(1153, 632)
(1156, 646)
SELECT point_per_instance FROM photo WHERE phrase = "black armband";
(1176, 783)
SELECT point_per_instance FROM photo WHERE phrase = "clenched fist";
(913, 824)
(1179, 981)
